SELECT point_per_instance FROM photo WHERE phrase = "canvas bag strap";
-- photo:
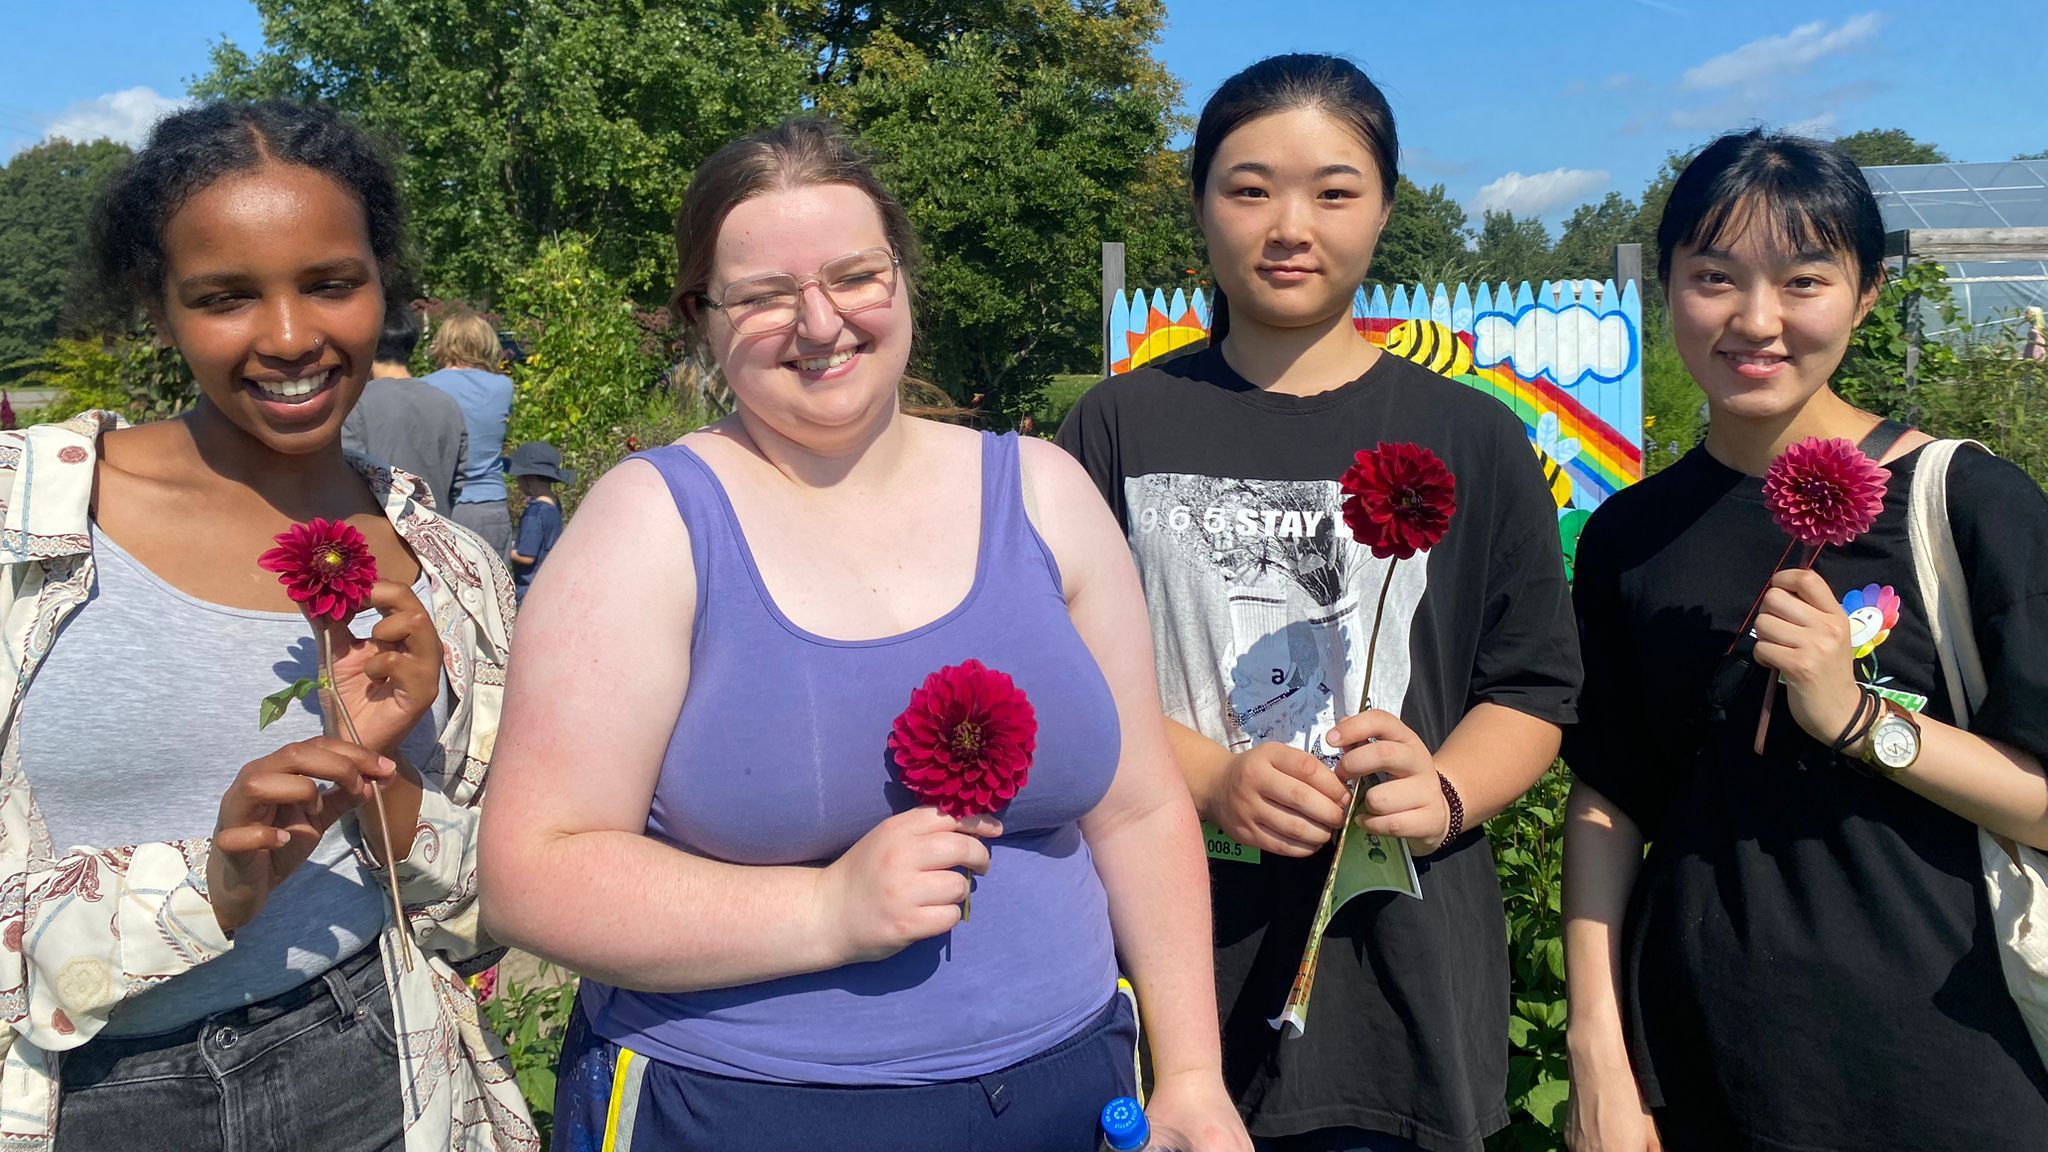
(1944, 589)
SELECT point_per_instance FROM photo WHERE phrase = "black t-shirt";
(1809, 961)
(1261, 606)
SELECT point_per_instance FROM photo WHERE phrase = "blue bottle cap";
(1123, 1124)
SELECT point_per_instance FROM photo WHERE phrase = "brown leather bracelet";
(1457, 805)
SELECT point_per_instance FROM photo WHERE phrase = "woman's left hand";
(1197, 1105)
(1409, 803)
(1803, 634)
(388, 681)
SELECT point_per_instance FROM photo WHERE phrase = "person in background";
(466, 357)
(417, 430)
(538, 468)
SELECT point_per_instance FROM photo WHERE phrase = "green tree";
(2032, 156)
(588, 371)
(518, 121)
(1515, 249)
(46, 194)
(1888, 146)
(1097, 40)
(1585, 249)
(1013, 178)
(1427, 239)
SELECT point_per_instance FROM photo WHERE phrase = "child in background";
(538, 468)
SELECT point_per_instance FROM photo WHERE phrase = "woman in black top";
(1222, 466)
(1805, 958)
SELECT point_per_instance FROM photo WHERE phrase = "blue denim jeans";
(312, 1070)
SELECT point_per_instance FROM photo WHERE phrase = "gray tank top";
(140, 717)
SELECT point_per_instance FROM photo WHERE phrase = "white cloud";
(1566, 344)
(125, 116)
(1540, 193)
(1775, 58)
(1820, 127)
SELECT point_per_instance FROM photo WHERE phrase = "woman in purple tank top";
(693, 803)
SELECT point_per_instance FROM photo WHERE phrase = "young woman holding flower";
(700, 797)
(199, 948)
(1223, 467)
(1805, 958)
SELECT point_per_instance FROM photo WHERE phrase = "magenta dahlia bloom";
(1825, 492)
(965, 743)
(325, 566)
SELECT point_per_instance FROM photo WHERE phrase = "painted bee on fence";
(1554, 453)
(1434, 346)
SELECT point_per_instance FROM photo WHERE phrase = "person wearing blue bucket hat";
(538, 468)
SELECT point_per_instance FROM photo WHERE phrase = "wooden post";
(1628, 266)
(1112, 287)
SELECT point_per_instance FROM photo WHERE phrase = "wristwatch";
(1894, 742)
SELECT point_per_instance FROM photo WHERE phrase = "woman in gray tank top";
(200, 952)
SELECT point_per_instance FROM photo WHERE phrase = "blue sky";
(1530, 106)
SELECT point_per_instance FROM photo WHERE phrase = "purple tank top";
(779, 756)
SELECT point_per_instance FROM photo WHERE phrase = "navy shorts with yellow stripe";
(611, 1099)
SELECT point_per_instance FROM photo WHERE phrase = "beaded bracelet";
(1457, 805)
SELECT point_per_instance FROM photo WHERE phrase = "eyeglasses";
(852, 283)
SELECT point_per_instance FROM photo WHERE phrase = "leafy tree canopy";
(45, 194)
(1876, 146)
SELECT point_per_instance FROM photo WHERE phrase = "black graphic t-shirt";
(1261, 607)
(1809, 959)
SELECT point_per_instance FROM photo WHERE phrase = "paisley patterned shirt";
(80, 933)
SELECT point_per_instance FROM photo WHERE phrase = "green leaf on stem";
(277, 703)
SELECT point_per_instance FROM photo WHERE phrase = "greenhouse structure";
(1987, 223)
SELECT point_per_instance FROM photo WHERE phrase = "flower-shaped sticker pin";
(1873, 612)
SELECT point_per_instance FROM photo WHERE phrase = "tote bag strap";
(1944, 589)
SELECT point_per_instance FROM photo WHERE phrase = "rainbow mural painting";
(1565, 357)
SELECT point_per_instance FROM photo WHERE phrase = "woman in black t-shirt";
(1805, 959)
(1222, 466)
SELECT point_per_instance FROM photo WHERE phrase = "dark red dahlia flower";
(964, 744)
(1398, 499)
(325, 566)
(1825, 491)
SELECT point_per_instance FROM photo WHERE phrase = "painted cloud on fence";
(1568, 345)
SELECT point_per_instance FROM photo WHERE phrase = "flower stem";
(376, 789)
(1295, 1011)
(1749, 617)
(1763, 720)
(1372, 646)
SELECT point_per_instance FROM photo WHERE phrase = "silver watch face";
(1894, 743)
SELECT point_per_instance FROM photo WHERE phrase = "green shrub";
(129, 374)
(1528, 848)
(589, 369)
(532, 1022)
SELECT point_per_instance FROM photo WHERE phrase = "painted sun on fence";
(1566, 358)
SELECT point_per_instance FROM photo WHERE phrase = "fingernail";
(387, 764)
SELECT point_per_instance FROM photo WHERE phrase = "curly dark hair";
(191, 150)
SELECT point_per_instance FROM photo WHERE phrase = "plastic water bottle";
(1124, 1129)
